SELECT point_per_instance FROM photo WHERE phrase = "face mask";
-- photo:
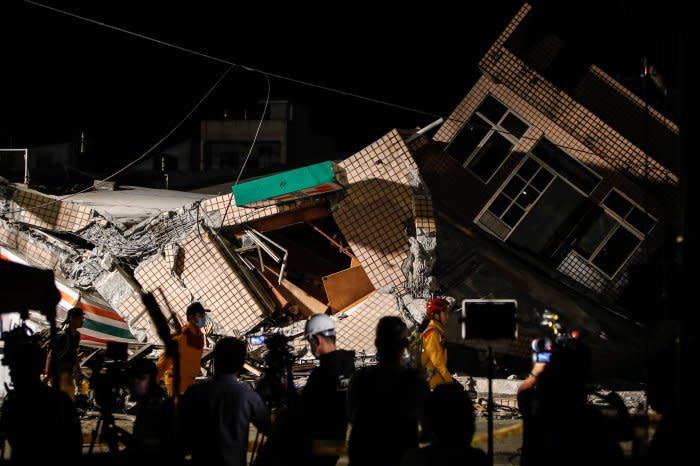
(201, 322)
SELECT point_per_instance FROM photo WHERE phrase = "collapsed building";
(528, 190)
(350, 251)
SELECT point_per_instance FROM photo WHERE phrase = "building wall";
(554, 115)
(243, 131)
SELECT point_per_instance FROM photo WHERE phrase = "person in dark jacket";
(324, 398)
(449, 422)
(558, 423)
(215, 415)
(153, 434)
(386, 401)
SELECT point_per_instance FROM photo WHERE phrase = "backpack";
(43, 338)
(415, 349)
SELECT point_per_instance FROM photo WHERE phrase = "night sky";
(62, 75)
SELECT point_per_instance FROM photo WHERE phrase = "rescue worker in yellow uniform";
(190, 343)
(434, 355)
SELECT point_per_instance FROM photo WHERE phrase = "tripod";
(108, 430)
(489, 405)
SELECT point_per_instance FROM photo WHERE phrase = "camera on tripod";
(276, 386)
(109, 379)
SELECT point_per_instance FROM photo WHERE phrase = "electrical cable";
(228, 62)
(139, 158)
(250, 151)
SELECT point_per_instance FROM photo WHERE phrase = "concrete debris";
(418, 266)
(134, 240)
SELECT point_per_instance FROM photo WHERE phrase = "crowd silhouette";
(393, 416)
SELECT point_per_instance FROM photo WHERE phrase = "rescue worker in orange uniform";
(190, 343)
(434, 355)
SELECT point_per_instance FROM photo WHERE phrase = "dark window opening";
(596, 232)
(466, 141)
(514, 125)
(490, 156)
(616, 251)
(492, 109)
(487, 139)
(566, 166)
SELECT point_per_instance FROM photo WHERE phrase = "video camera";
(542, 347)
(109, 380)
(14, 340)
(276, 387)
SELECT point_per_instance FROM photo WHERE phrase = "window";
(565, 165)
(521, 192)
(230, 155)
(487, 139)
(613, 236)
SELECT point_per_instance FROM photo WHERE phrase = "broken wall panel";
(373, 213)
(346, 287)
(135, 313)
(50, 214)
(38, 254)
(356, 328)
(195, 269)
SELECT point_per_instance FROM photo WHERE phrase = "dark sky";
(62, 75)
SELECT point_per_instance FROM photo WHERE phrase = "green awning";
(286, 186)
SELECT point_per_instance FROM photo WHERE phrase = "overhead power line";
(140, 157)
(228, 62)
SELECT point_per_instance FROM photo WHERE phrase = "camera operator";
(559, 425)
(286, 442)
(39, 422)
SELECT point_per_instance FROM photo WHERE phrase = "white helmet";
(319, 324)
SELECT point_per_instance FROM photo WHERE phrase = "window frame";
(621, 223)
(495, 128)
(543, 166)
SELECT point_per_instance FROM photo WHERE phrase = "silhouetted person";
(665, 446)
(39, 422)
(324, 398)
(386, 401)
(154, 430)
(65, 352)
(449, 422)
(560, 427)
(215, 415)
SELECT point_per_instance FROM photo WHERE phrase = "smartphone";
(256, 340)
(544, 357)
